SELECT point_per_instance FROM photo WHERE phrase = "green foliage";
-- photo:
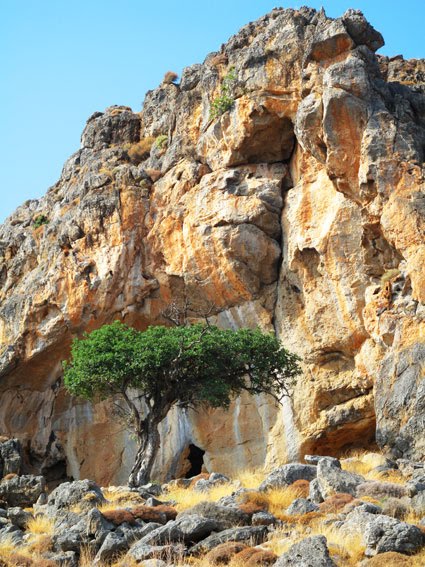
(185, 365)
(224, 102)
(40, 220)
(161, 141)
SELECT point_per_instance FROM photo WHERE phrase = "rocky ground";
(363, 510)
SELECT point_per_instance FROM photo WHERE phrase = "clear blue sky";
(60, 60)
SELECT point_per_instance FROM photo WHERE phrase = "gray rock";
(218, 478)
(22, 491)
(65, 520)
(85, 493)
(11, 534)
(310, 552)
(104, 129)
(10, 457)
(152, 488)
(287, 474)
(254, 534)
(315, 494)
(263, 519)
(383, 534)
(19, 517)
(188, 529)
(97, 523)
(113, 545)
(361, 31)
(226, 516)
(71, 540)
(66, 559)
(141, 552)
(154, 563)
(332, 479)
(301, 506)
(152, 501)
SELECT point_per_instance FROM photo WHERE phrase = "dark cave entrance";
(196, 460)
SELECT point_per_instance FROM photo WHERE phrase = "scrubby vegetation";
(40, 220)
(225, 100)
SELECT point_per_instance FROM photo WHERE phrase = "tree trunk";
(149, 442)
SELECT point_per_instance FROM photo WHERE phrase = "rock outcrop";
(300, 209)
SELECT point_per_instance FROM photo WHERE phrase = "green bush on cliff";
(40, 220)
(186, 366)
(225, 101)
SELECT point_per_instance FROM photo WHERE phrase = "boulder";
(84, 493)
(141, 552)
(287, 474)
(383, 534)
(19, 517)
(188, 529)
(226, 516)
(251, 534)
(301, 506)
(113, 545)
(263, 519)
(11, 534)
(310, 552)
(10, 457)
(332, 479)
(22, 491)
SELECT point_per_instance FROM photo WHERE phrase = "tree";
(167, 366)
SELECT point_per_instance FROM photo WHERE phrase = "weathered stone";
(301, 506)
(252, 534)
(84, 493)
(263, 519)
(383, 534)
(310, 552)
(286, 475)
(332, 479)
(22, 490)
(10, 457)
(11, 534)
(19, 517)
(226, 516)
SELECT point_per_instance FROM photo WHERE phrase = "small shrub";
(251, 508)
(261, 558)
(223, 553)
(140, 150)
(389, 275)
(395, 507)
(170, 77)
(225, 100)
(40, 525)
(301, 486)
(378, 490)
(161, 142)
(335, 503)
(119, 516)
(154, 514)
(40, 220)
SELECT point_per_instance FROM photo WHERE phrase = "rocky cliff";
(300, 208)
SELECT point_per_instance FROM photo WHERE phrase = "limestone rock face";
(300, 209)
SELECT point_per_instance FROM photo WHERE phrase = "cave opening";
(196, 460)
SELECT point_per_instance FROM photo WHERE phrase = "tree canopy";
(183, 365)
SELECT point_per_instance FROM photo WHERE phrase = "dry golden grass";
(40, 525)
(276, 500)
(347, 550)
(187, 498)
(251, 478)
(39, 544)
(86, 557)
(140, 150)
(387, 476)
